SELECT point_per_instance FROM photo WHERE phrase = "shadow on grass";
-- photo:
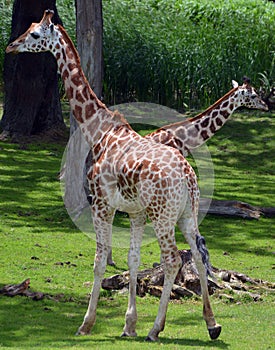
(26, 323)
(243, 154)
(219, 344)
(30, 190)
(230, 235)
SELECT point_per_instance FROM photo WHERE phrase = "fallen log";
(269, 212)
(234, 209)
(21, 289)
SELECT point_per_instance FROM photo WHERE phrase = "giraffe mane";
(69, 40)
(117, 116)
(200, 115)
(213, 106)
(78, 62)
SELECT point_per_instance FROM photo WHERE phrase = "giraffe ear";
(235, 84)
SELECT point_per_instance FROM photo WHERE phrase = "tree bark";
(31, 103)
(89, 26)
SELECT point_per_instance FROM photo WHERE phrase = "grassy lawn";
(39, 241)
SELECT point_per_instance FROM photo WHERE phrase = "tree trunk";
(32, 103)
(89, 44)
(89, 27)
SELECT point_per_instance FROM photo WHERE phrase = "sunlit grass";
(39, 241)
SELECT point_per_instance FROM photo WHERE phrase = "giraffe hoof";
(83, 331)
(215, 332)
(127, 334)
(80, 333)
(150, 338)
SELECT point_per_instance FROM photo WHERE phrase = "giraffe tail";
(201, 245)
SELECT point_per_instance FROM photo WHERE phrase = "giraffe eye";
(35, 35)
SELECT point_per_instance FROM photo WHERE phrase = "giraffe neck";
(93, 117)
(192, 133)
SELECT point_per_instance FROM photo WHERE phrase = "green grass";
(52, 325)
(243, 155)
(36, 236)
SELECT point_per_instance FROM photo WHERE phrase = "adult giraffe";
(191, 133)
(132, 174)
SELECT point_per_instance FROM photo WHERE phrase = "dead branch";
(21, 289)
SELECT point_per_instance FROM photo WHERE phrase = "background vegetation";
(177, 53)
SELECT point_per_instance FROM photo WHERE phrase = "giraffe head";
(247, 96)
(39, 37)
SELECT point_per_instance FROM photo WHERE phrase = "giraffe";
(130, 173)
(191, 133)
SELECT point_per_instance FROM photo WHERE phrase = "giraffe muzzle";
(12, 48)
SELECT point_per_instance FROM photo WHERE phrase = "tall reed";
(182, 54)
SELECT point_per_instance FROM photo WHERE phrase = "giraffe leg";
(137, 228)
(172, 262)
(110, 260)
(200, 256)
(103, 230)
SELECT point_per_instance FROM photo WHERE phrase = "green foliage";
(66, 11)
(182, 53)
(5, 24)
(177, 53)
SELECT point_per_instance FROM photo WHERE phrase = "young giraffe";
(191, 133)
(132, 174)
